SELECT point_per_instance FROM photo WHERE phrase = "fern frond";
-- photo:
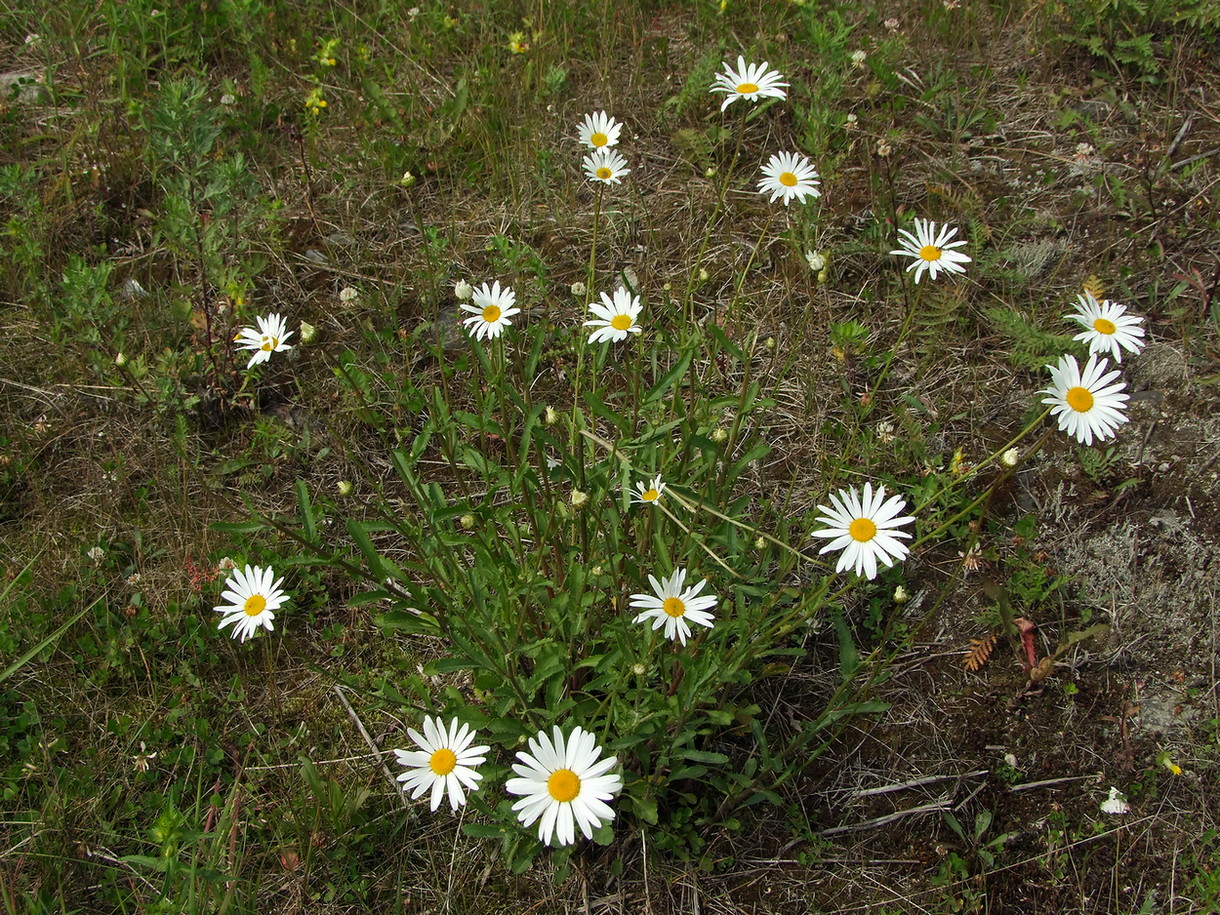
(979, 651)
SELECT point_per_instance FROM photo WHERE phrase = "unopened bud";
(120, 360)
(900, 595)
(1010, 457)
(309, 333)
(580, 499)
(345, 487)
(463, 290)
(467, 522)
(720, 436)
(552, 416)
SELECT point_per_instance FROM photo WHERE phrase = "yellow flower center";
(621, 322)
(1079, 399)
(564, 785)
(674, 607)
(862, 530)
(604, 173)
(787, 179)
(491, 314)
(747, 88)
(270, 343)
(930, 253)
(599, 139)
(255, 604)
(443, 761)
(651, 496)
(1102, 326)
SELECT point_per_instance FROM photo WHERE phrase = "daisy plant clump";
(563, 783)
(253, 596)
(1087, 404)
(490, 312)
(270, 336)
(787, 175)
(674, 606)
(865, 529)
(605, 166)
(444, 763)
(931, 249)
(598, 130)
(614, 320)
(1107, 327)
(748, 81)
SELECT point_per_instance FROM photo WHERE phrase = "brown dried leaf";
(979, 651)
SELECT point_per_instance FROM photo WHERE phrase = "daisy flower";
(750, 82)
(269, 337)
(648, 493)
(252, 599)
(563, 783)
(789, 175)
(932, 249)
(614, 319)
(443, 763)
(491, 310)
(673, 607)
(1086, 404)
(1108, 327)
(598, 130)
(606, 166)
(864, 529)
(1115, 804)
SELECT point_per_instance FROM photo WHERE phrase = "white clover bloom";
(931, 249)
(1115, 804)
(599, 130)
(1086, 404)
(348, 294)
(492, 308)
(564, 784)
(444, 762)
(96, 553)
(228, 99)
(252, 599)
(614, 319)
(672, 606)
(606, 166)
(269, 337)
(648, 493)
(750, 82)
(789, 175)
(864, 529)
(1108, 327)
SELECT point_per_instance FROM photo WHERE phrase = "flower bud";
(552, 416)
(309, 333)
(1010, 457)
(467, 521)
(720, 436)
(120, 360)
(579, 499)
(345, 487)
(900, 595)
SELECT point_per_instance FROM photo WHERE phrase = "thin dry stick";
(372, 746)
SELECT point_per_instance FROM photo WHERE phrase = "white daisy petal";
(615, 319)
(1108, 327)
